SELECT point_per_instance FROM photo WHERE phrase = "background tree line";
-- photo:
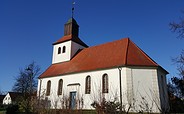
(176, 84)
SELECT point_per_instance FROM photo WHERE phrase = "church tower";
(65, 48)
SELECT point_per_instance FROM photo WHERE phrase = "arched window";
(59, 50)
(64, 49)
(105, 83)
(48, 88)
(88, 85)
(60, 87)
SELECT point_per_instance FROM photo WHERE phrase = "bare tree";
(178, 27)
(176, 86)
(179, 80)
(25, 82)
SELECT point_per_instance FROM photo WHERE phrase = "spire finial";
(73, 3)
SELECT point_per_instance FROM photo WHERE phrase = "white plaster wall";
(96, 86)
(7, 99)
(145, 90)
(139, 87)
(62, 57)
(162, 83)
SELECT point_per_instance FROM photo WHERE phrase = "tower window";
(64, 49)
(60, 87)
(105, 83)
(48, 88)
(88, 85)
(59, 50)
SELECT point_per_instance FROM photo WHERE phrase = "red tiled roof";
(70, 37)
(122, 52)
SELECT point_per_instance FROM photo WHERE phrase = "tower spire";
(73, 3)
(71, 27)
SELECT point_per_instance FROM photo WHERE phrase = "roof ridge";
(107, 43)
(122, 52)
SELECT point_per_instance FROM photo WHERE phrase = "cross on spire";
(73, 3)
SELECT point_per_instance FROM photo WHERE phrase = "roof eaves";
(163, 69)
(47, 76)
(81, 43)
(44, 72)
(72, 38)
(105, 68)
(60, 42)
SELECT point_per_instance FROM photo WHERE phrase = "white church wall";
(76, 82)
(57, 58)
(145, 90)
(162, 83)
(139, 87)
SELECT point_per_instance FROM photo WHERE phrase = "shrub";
(106, 107)
(12, 109)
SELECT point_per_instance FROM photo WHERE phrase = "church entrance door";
(72, 100)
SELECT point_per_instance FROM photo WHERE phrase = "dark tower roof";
(71, 28)
(71, 20)
(71, 32)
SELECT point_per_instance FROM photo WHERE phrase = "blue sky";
(29, 27)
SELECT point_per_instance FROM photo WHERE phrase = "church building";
(116, 71)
